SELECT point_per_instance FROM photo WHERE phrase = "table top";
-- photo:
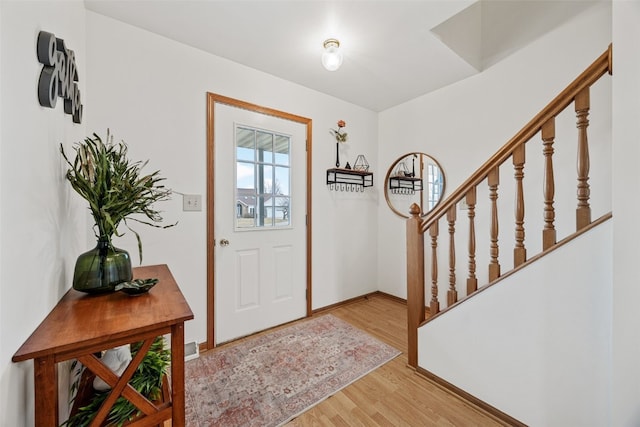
(81, 320)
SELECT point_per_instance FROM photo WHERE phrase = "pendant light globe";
(331, 57)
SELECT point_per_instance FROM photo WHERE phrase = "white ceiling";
(394, 50)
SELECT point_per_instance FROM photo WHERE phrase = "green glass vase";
(101, 269)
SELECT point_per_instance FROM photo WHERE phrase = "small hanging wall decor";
(59, 75)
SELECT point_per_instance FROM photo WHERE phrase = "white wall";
(40, 223)
(463, 124)
(626, 228)
(151, 92)
(536, 345)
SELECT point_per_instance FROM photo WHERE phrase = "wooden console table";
(81, 324)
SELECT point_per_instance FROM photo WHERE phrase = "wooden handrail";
(576, 92)
(588, 77)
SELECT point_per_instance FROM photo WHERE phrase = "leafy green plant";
(115, 187)
(147, 380)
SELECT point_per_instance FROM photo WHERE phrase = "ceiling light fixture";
(331, 57)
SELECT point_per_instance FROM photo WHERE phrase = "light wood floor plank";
(394, 394)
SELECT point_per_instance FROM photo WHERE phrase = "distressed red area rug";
(270, 379)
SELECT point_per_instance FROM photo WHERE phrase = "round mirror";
(414, 178)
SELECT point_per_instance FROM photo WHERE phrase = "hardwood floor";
(392, 395)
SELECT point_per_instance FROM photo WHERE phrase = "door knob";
(224, 242)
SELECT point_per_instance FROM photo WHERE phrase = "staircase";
(441, 242)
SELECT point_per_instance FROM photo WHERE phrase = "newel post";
(415, 282)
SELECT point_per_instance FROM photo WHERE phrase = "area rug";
(270, 379)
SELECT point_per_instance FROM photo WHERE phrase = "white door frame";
(212, 99)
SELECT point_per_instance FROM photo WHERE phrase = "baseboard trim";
(364, 298)
(481, 405)
(343, 303)
(359, 299)
(427, 311)
(391, 297)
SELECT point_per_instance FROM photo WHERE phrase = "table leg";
(46, 391)
(177, 375)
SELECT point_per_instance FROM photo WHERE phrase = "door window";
(263, 179)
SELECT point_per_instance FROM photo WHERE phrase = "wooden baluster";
(519, 252)
(583, 211)
(452, 294)
(434, 306)
(472, 281)
(415, 282)
(549, 231)
(494, 266)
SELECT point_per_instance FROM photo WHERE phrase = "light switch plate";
(191, 202)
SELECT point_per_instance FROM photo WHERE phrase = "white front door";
(260, 221)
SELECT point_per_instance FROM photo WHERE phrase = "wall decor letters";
(58, 76)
